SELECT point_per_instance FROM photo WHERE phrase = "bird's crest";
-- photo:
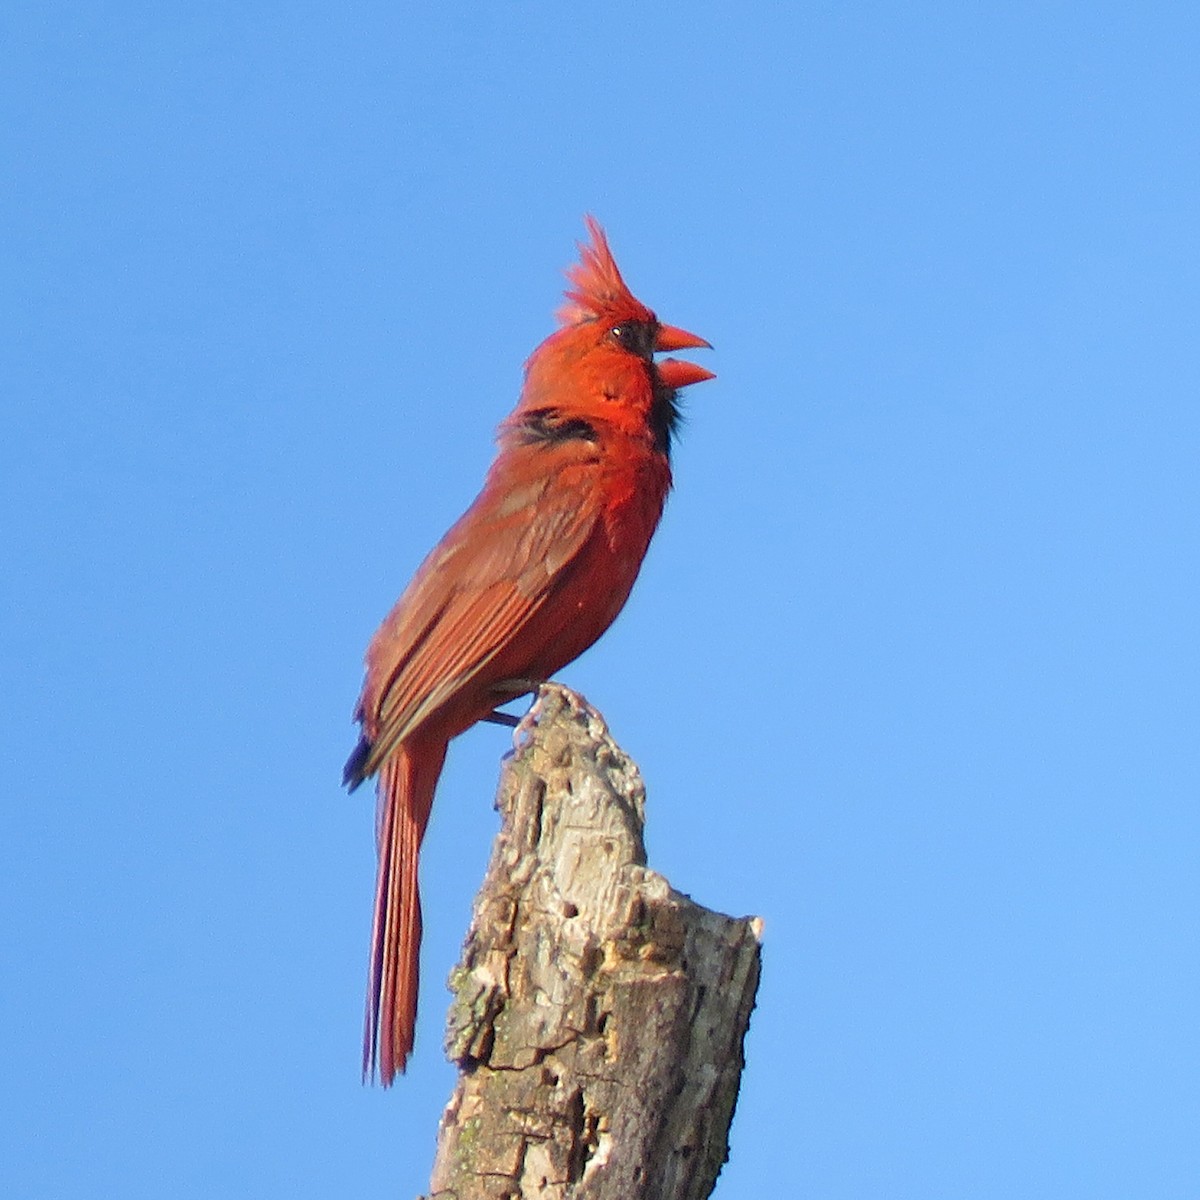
(598, 292)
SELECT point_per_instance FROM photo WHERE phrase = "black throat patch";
(665, 415)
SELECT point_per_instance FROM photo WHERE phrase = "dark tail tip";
(355, 771)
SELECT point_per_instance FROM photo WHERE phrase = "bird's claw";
(512, 689)
(523, 729)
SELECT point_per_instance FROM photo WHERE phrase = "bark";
(598, 1015)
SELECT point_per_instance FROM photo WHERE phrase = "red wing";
(471, 598)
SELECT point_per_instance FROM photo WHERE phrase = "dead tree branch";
(598, 1015)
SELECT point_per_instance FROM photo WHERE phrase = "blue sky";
(911, 669)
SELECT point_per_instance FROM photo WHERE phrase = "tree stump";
(598, 1014)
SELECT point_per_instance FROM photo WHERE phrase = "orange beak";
(673, 371)
(676, 373)
(671, 338)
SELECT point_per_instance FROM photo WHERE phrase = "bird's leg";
(522, 727)
(511, 689)
(502, 718)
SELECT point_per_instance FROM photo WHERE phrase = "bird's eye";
(633, 336)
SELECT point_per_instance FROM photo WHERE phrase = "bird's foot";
(522, 727)
(511, 689)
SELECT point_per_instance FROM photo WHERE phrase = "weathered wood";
(598, 1015)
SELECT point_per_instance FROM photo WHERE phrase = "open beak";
(674, 372)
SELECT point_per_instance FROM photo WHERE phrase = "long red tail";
(406, 784)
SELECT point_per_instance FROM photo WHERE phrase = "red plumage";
(526, 580)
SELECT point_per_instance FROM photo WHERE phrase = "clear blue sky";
(912, 667)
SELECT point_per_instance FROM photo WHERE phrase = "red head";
(600, 294)
(609, 337)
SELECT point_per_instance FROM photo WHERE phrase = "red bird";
(529, 577)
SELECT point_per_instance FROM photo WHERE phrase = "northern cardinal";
(527, 579)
